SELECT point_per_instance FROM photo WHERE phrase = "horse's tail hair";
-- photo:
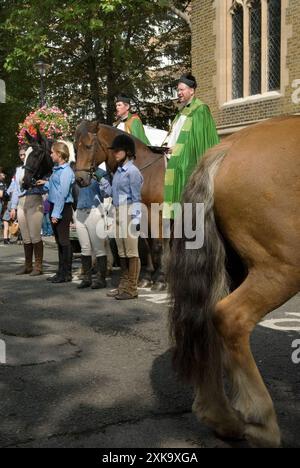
(197, 281)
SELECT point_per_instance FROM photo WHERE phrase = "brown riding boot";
(38, 249)
(101, 265)
(133, 277)
(86, 261)
(27, 268)
(123, 284)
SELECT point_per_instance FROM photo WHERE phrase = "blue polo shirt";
(59, 187)
(127, 186)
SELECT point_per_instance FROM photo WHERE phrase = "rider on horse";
(128, 122)
(193, 132)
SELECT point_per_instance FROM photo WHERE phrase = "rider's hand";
(99, 173)
(40, 182)
(54, 220)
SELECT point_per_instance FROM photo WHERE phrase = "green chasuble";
(134, 126)
(137, 129)
(197, 135)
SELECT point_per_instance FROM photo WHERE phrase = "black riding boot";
(65, 276)
(60, 265)
(86, 262)
(101, 266)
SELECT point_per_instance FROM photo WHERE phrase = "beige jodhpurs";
(30, 216)
(127, 243)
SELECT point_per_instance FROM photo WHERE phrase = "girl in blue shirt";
(90, 220)
(60, 198)
(126, 193)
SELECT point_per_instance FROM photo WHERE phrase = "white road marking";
(274, 323)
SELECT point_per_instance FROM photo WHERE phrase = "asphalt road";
(84, 370)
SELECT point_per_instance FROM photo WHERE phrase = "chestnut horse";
(92, 140)
(248, 266)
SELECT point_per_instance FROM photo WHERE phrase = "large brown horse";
(250, 185)
(92, 140)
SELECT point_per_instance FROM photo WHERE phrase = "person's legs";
(28, 246)
(95, 226)
(63, 235)
(34, 214)
(134, 265)
(49, 229)
(5, 232)
(123, 284)
(44, 225)
(86, 249)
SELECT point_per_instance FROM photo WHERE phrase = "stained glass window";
(238, 53)
(255, 47)
(274, 41)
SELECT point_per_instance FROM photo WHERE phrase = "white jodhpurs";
(88, 223)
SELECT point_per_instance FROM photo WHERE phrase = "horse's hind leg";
(211, 405)
(235, 318)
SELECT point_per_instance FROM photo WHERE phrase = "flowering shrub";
(52, 122)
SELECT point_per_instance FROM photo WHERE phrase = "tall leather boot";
(86, 262)
(100, 281)
(123, 280)
(27, 268)
(131, 292)
(60, 265)
(65, 276)
(38, 249)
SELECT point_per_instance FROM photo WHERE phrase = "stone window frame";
(223, 32)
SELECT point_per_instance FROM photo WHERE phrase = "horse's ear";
(40, 138)
(30, 138)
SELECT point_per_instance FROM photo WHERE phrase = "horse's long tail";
(198, 280)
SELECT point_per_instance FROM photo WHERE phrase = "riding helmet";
(125, 143)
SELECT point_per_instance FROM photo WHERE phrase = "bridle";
(93, 168)
(35, 172)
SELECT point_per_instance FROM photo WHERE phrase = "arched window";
(274, 44)
(238, 52)
(255, 47)
(252, 42)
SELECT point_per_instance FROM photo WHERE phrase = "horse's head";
(91, 142)
(38, 163)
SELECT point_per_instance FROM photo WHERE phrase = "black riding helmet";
(125, 143)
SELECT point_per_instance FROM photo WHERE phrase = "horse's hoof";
(159, 286)
(144, 283)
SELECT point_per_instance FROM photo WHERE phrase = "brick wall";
(205, 68)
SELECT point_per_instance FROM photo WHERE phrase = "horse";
(92, 141)
(248, 266)
(38, 163)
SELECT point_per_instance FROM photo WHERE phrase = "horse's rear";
(250, 185)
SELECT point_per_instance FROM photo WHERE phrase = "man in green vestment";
(193, 132)
(128, 122)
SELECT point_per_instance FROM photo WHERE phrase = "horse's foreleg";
(158, 275)
(235, 318)
(146, 263)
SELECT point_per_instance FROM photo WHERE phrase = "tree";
(97, 49)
